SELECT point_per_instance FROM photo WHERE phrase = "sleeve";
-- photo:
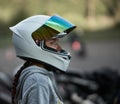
(38, 95)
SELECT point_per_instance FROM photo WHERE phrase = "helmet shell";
(25, 45)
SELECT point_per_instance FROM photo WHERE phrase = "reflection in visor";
(59, 24)
(53, 27)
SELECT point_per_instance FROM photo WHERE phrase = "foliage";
(74, 10)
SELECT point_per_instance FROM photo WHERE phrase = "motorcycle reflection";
(5, 88)
(98, 87)
(77, 44)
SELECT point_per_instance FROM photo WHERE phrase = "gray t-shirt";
(37, 86)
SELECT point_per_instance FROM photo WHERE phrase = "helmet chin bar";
(63, 53)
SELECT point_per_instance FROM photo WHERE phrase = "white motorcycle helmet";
(41, 27)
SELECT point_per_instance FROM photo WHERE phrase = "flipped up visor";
(54, 26)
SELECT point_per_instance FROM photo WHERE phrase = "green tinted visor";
(56, 26)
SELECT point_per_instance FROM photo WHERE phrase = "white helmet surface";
(41, 27)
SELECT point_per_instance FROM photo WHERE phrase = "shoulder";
(37, 78)
(34, 76)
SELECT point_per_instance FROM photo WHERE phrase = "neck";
(38, 64)
(43, 66)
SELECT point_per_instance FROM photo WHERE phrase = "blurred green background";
(95, 19)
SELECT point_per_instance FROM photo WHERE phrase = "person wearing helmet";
(36, 40)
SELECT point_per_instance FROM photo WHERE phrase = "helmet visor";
(56, 26)
(59, 24)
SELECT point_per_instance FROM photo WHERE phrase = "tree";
(113, 8)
